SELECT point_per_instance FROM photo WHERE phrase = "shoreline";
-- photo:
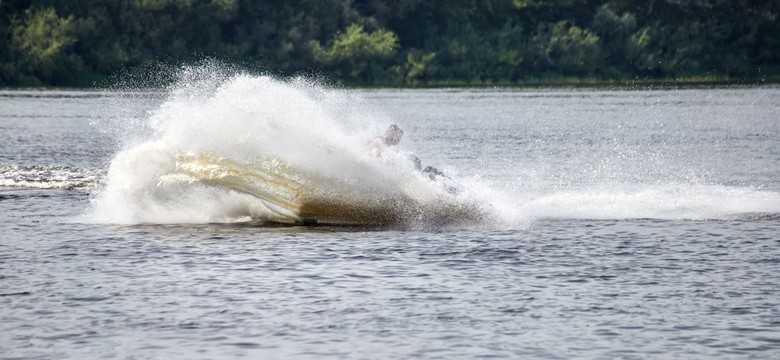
(584, 83)
(573, 82)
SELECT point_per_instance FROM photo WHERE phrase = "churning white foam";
(48, 176)
(238, 117)
(664, 201)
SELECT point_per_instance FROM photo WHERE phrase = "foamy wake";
(49, 177)
(663, 201)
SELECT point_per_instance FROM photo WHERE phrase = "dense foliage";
(395, 42)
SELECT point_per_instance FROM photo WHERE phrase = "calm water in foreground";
(635, 224)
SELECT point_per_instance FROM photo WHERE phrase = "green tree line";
(394, 42)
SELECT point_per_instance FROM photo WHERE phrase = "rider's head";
(394, 134)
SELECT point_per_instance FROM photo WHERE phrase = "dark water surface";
(641, 224)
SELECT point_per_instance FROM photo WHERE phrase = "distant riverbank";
(559, 82)
(410, 43)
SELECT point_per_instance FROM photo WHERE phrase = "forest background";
(396, 42)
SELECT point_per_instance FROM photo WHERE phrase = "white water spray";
(211, 128)
(243, 118)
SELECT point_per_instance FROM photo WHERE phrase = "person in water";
(392, 137)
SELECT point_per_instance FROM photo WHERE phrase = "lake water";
(629, 223)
